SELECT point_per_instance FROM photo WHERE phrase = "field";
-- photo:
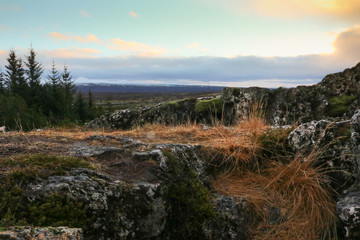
(135, 99)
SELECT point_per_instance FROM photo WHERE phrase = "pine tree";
(11, 71)
(55, 88)
(14, 76)
(2, 82)
(34, 69)
(33, 72)
(80, 108)
(69, 90)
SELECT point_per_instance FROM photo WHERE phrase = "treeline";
(27, 103)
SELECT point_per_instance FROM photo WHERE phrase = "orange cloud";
(73, 52)
(133, 14)
(347, 44)
(197, 46)
(85, 13)
(87, 38)
(348, 10)
(139, 48)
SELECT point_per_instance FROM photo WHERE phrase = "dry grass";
(296, 189)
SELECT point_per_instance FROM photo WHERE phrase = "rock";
(233, 219)
(88, 150)
(331, 145)
(37, 233)
(348, 209)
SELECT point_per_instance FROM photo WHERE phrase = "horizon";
(264, 43)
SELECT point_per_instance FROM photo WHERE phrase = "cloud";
(139, 49)
(133, 14)
(347, 44)
(197, 46)
(348, 10)
(84, 14)
(340, 10)
(74, 52)
(87, 39)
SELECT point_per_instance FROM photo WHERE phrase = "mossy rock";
(209, 106)
(17, 209)
(189, 205)
(338, 105)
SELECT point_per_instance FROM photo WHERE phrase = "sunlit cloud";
(87, 39)
(74, 52)
(346, 9)
(343, 10)
(85, 14)
(139, 49)
(197, 46)
(133, 14)
(347, 44)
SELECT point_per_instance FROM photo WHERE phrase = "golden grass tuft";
(296, 189)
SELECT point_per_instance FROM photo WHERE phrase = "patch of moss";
(27, 167)
(189, 205)
(57, 211)
(16, 209)
(338, 105)
(209, 106)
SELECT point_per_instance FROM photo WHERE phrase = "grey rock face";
(331, 144)
(36, 233)
(348, 208)
(233, 219)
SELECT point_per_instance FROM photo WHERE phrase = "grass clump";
(338, 105)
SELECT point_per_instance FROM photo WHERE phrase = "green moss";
(2, 229)
(15, 208)
(189, 204)
(208, 106)
(58, 211)
(26, 167)
(338, 105)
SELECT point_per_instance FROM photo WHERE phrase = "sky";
(239, 43)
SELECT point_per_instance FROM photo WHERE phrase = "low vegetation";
(16, 209)
(338, 105)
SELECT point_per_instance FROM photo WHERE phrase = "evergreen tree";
(15, 79)
(80, 108)
(2, 82)
(69, 90)
(33, 71)
(11, 71)
(54, 91)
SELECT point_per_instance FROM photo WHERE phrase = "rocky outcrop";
(32, 233)
(335, 98)
(338, 147)
(155, 192)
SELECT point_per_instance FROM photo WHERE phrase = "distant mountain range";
(123, 88)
